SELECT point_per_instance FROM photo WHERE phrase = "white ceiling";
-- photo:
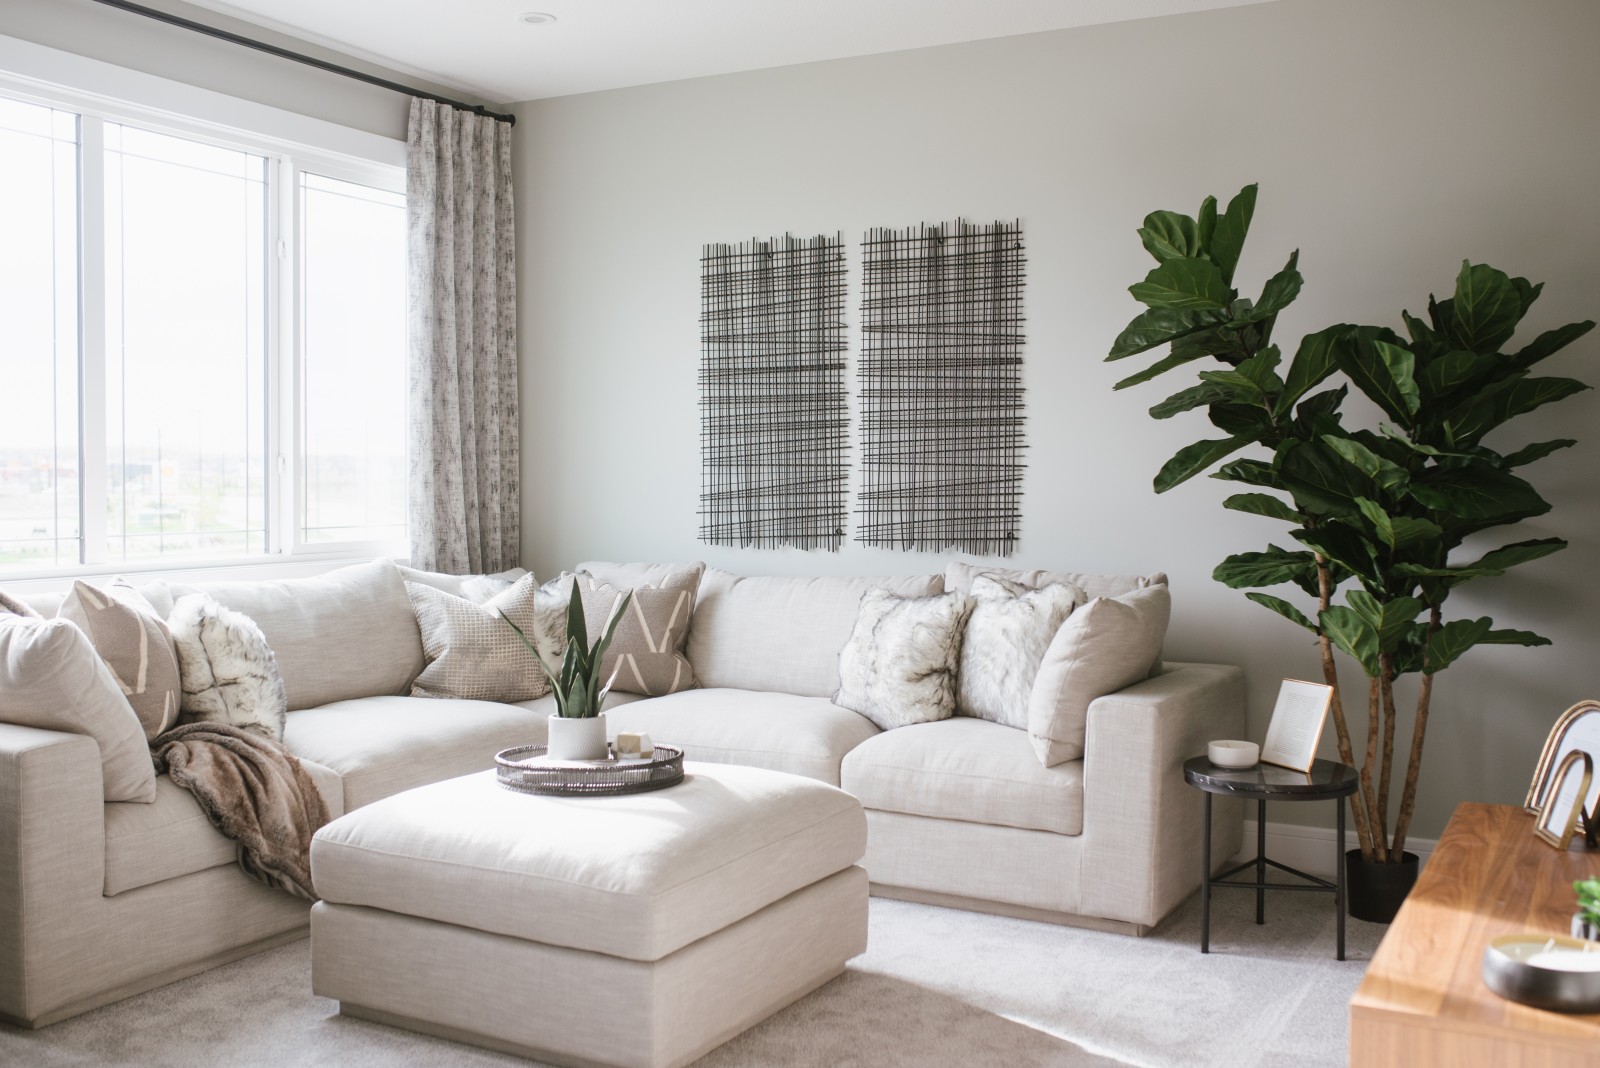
(480, 46)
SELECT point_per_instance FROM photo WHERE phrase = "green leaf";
(1318, 414)
(1193, 459)
(1498, 561)
(1155, 370)
(1458, 370)
(1167, 235)
(1249, 421)
(1453, 639)
(1157, 326)
(1423, 338)
(1469, 423)
(1241, 385)
(1537, 451)
(1271, 568)
(1381, 522)
(577, 630)
(1188, 399)
(1227, 242)
(1321, 481)
(1486, 308)
(1313, 362)
(1352, 634)
(1512, 637)
(1186, 284)
(1410, 531)
(1477, 492)
(1263, 504)
(1384, 474)
(1278, 294)
(1250, 472)
(1343, 545)
(1549, 343)
(1390, 619)
(1227, 345)
(1283, 608)
(1206, 222)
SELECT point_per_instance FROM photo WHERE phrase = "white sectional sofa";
(99, 900)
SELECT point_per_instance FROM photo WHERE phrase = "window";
(203, 348)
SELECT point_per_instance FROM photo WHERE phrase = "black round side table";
(1326, 781)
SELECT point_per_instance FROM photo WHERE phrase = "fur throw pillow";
(1007, 634)
(228, 671)
(899, 666)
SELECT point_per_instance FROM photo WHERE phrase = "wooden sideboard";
(1423, 1001)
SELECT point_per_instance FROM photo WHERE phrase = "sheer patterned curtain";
(464, 484)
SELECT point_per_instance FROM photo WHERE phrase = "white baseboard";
(1311, 848)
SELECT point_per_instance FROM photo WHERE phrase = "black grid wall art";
(941, 388)
(773, 412)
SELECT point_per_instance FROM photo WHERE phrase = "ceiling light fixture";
(536, 18)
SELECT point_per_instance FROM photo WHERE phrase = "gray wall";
(129, 40)
(1391, 139)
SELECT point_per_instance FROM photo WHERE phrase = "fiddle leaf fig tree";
(1375, 514)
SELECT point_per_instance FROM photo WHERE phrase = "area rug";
(937, 986)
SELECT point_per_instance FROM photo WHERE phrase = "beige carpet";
(936, 987)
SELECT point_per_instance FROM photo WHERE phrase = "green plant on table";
(1588, 891)
(1376, 513)
(576, 681)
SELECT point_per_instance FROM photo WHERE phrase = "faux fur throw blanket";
(254, 791)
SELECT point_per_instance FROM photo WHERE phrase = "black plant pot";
(1375, 891)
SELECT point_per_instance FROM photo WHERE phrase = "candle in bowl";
(1566, 960)
(1233, 754)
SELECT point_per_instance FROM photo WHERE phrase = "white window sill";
(235, 569)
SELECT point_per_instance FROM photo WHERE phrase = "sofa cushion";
(782, 633)
(51, 678)
(783, 732)
(646, 651)
(470, 651)
(381, 745)
(966, 769)
(152, 843)
(136, 645)
(348, 633)
(1107, 645)
(959, 575)
(1010, 628)
(475, 588)
(899, 665)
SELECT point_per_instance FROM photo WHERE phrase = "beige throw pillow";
(899, 665)
(135, 644)
(470, 652)
(1105, 646)
(1007, 634)
(230, 674)
(51, 678)
(646, 651)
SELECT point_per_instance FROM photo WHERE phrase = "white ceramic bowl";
(1233, 754)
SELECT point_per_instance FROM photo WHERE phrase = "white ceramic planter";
(578, 739)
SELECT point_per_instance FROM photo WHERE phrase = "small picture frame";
(1296, 727)
(1578, 728)
(1557, 819)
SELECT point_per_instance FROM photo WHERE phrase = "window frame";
(292, 144)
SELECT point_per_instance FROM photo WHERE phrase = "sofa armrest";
(52, 854)
(1141, 821)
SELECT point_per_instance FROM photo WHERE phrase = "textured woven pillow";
(899, 665)
(470, 652)
(51, 678)
(230, 674)
(646, 652)
(1007, 634)
(135, 644)
(1107, 645)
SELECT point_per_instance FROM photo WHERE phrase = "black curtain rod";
(298, 57)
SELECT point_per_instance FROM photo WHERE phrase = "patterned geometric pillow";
(135, 644)
(646, 651)
(899, 666)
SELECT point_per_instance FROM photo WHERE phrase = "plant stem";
(1341, 728)
(1408, 795)
(1379, 852)
(1386, 688)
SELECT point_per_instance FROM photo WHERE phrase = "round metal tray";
(528, 770)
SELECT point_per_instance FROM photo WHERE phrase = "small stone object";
(631, 746)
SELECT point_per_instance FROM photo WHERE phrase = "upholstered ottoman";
(641, 930)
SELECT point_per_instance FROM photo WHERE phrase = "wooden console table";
(1423, 1001)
